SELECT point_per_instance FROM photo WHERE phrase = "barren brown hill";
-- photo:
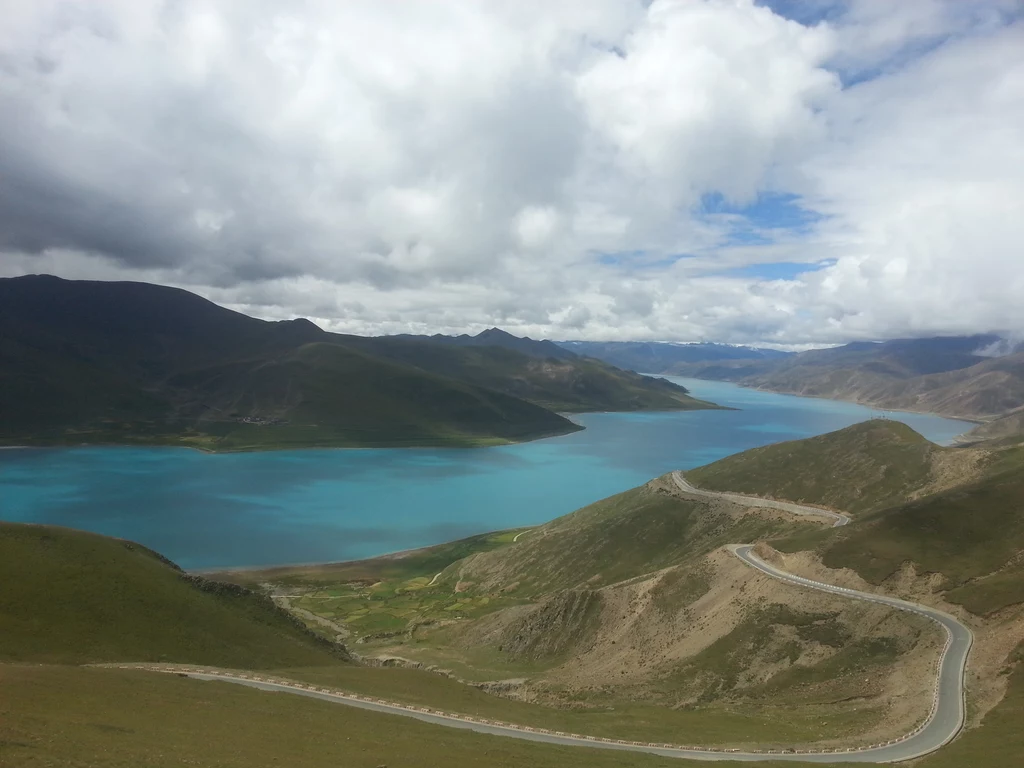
(1008, 426)
(986, 389)
(941, 375)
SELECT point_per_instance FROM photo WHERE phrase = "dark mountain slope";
(84, 361)
(113, 362)
(572, 383)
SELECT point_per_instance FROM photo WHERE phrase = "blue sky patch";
(780, 270)
(639, 259)
(806, 12)
(760, 222)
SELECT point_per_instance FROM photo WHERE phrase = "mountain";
(945, 375)
(659, 357)
(1007, 427)
(954, 513)
(633, 605)
(631, 616)
(565, 383)
(866, 466)
(84, 361)
(496, 337)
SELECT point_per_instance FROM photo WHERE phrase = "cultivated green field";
(397, 568)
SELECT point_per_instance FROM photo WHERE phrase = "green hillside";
(972, 535)
(958, 512)
(854, 469)
(71, 597)
(626, 535)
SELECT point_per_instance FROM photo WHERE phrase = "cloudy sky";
(791, 172)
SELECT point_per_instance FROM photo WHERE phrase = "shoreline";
(483, 443)
(862, 403)
(469, 444)
(398, 554)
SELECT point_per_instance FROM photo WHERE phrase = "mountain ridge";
(120, 362)
(942, 375)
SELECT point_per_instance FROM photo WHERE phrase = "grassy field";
(385, 595)
(714, 725)
(73, 597)
(97, 717)
(91, 717)
(77, 717)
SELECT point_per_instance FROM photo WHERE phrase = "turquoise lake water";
(248, 509)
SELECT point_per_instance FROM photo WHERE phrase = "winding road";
(944, 721)
(752, 501)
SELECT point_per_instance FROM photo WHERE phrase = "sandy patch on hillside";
(952, 468)
(636, 641)
(995, 637)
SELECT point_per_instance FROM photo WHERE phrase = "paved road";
(947, 715)
(752, 501)
(943, 724)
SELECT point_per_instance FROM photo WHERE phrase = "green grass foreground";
(71, 597)
(78, 717)
(119, 719)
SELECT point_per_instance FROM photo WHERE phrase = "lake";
(249, 509)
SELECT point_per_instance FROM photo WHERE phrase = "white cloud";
(449, 166)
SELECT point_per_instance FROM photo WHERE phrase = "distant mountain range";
(106, 362)
(945, 375)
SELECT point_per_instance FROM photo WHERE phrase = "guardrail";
(334, 693)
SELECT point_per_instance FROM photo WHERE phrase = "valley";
(634, 619)
(619, 384)
(673, 630)
(954, 376)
